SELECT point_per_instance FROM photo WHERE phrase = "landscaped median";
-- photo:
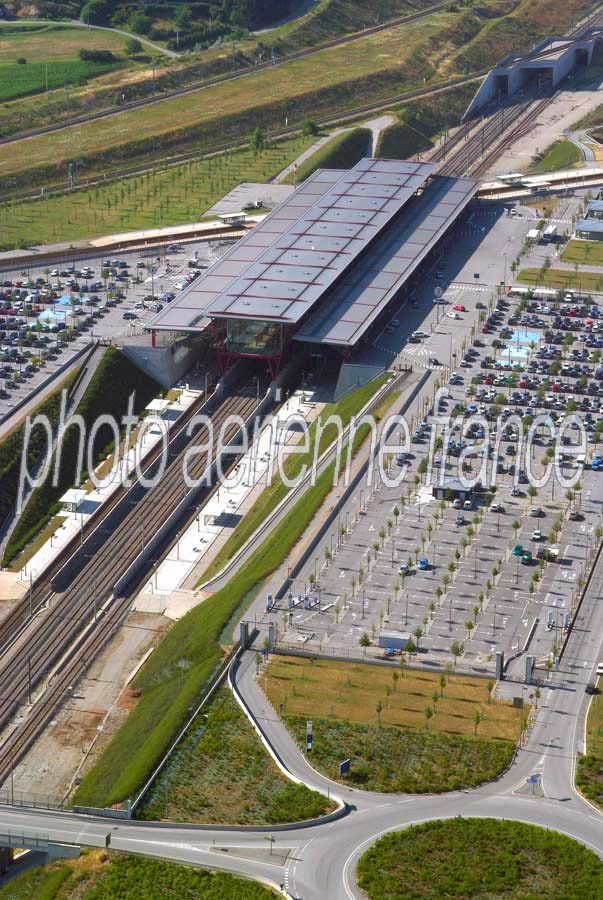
(174, 677)
(376, 716)
(479, 859)
(589, 773)
(220, 774)
(98, 875)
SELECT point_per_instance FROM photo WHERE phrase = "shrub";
(98, 56)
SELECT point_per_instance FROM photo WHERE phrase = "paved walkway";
(307, 153)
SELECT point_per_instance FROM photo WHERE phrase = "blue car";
(423, 563)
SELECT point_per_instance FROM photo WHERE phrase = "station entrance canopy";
(323, 264)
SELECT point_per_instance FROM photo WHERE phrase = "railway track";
(79, 621)
(41, 588)
(229, 76)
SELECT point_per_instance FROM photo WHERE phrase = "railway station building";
(323, 270)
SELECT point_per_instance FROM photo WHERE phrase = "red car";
(458, 307)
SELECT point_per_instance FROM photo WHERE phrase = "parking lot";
(501, 567)
(47, 314)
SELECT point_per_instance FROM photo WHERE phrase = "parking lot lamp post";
(475, 562)
(517, 570)
(494, 621)
(363, 601)
(450, 612)
(406, 614)
(498, 521)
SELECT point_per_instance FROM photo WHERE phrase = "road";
(321, 859)
(127, 34)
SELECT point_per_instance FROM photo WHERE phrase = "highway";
(321, 858)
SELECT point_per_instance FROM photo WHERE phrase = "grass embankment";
(587, 253)
(96, 875)
(562, 155)
(589, 773)
(52, 52)
(326, 20)
(172, 679)
(562, 278)
(391, 749)
(11, 447)
(328, 82)
(222, 775)
(271, 496)
(340, 152)
(107, 394)
(479, 859)
(420, 123)
(168, 196)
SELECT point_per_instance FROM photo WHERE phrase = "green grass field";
(390, 747)
(202, 783)
(562, 155)
(51, 54)
(562, 278)
(589, 253)
(17, 80)
(96, 875)
(480, 859)
(168, 196)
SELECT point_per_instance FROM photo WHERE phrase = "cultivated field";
(376, 53)
(51, 57)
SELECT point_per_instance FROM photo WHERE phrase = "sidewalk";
(171, 590)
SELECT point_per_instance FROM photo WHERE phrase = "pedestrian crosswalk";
(468, 287)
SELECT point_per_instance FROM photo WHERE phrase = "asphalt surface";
(321, 859)
(171, 269)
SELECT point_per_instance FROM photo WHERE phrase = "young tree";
(428, 715)
(418, 633)
(442, 681)
(364, 641)
(469, 625)
(395, 677)
(402, 664)
(379, 710)
(457, 648)
(476, 720)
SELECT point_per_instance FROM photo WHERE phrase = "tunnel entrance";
(537, 80)
(501, 84)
